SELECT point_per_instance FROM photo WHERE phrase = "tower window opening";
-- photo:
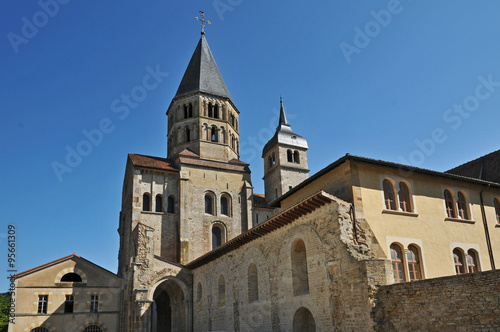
(289, 156)
(296, 158)
(210, 110)
(171, 204)
(233, 119)
(159, 203)
(146, 202)
(188, 135)
(185, 112)
(190, 112)
(214, 135)
(216, 111)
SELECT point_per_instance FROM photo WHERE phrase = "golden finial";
(202, 19)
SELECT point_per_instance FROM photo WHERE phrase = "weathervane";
(202, 19)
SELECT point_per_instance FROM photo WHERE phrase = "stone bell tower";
(285, 159)
(202, 116)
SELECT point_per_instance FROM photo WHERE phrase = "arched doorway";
(303, 321)
(169, 308)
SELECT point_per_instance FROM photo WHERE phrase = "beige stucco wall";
(427, 226)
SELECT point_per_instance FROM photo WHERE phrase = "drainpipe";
(487, 233)
(353, 214)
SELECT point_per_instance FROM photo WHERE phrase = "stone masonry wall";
(469, 302)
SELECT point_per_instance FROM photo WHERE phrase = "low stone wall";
(469, 302)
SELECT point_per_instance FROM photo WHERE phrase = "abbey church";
(362, 245)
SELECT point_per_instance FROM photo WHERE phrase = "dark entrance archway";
(169, 308)
(303, 321)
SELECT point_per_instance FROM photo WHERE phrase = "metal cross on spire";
(202, 19)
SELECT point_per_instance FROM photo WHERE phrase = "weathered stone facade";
(469, 302)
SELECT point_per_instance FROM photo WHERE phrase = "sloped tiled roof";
(286, 217)
(57, 261)
(152, 162)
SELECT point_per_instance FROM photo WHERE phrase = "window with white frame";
(43, 301)
(94, 303)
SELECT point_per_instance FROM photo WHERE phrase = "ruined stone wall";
(468, 302)
(341, 278)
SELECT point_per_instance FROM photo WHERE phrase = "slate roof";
(483, 168)
(202, 74)
(284, 134)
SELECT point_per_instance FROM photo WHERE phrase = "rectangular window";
(69, 303)
(43, 301)
(94, 303)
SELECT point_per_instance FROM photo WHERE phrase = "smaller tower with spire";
(285, 159)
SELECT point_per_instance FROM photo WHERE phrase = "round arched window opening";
(71, 277)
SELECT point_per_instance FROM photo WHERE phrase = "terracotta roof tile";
(152, 162)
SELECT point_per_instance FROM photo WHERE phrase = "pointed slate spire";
(284, 134)
(282, 113)
(202, 74)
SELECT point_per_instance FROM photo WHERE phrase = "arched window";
(253, 283)
(71, 277)
(216, 111)
(210, 110)
(225, 205)
(397, 263)
(413, 260)
(232, 120)
(299, 268)
(404, 197)
(171, 204)
(462, 206)
(222, 291)
(303, 321)
(190, 110)
(273, 159)
(214, 135)
(296, 158)
(92, 328)
(458, 259)
(217, 235)
(159, 203)
(40, 329)
(269, 162)
(497, 210)
(146, 202)
(185, 111)
(450, 206)
(389, 196)
(289, 156)
(472, 261)
(209, 203)
(188, 135)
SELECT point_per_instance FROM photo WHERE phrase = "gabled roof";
(286, 217)
(284, 134)
(152, 162)
(60, 260)
(483, 168)
(202, 74)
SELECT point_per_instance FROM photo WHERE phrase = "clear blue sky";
(371, 78)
